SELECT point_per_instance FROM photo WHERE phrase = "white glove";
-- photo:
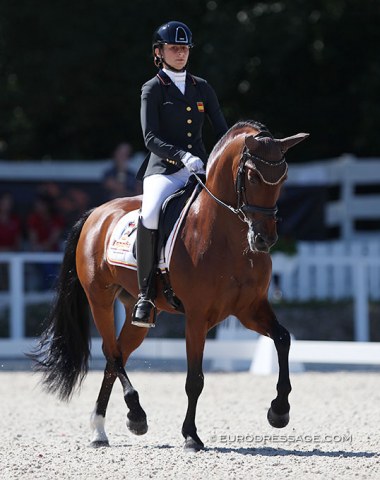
(192, 163)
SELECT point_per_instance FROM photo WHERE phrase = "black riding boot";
(146, 253)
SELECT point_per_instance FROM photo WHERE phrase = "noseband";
(243, 207)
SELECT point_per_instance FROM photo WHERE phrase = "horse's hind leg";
(265, 322)
(104, 321)
(98, 416)
(130, 338)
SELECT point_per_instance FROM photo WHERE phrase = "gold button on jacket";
(166, 116)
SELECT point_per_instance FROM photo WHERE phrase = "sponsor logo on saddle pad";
(124, 242)
(120, 249)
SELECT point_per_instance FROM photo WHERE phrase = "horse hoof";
(192, 446)
(137, 428)
(99, 443)
(276, 420)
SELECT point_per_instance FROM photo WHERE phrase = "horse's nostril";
(260, 242)
(264, 243)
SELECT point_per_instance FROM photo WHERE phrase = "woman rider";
(173, 106)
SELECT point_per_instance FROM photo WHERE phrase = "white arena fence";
(229, 355)
(349, 174)
(332, 271)
(319, 271)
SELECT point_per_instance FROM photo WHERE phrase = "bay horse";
(220, 266)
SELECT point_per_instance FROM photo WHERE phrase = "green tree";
(71, 72)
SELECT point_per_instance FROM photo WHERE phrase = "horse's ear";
(289, 142)
(251, 142)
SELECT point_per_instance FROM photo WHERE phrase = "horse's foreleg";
(195, 340)
(136, 417)
(278, 413)
(130, 338)
(264, 321)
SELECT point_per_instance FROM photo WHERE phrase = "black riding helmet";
(173, 33)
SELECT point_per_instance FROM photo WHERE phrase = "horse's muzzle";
(263, 244)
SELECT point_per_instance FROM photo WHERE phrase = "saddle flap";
(120, 250)
(172, 208)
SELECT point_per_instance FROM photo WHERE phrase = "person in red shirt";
(45, 226)
(45, 231)
(10, 225)
(10, 234)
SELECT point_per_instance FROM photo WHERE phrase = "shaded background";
(71, 72)
(70, 80)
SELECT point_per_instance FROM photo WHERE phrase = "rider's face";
(175, 55)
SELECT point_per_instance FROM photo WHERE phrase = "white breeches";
(156, 189)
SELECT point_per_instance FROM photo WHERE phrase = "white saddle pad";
(120, 248)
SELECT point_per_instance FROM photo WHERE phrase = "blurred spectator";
(10, 234)
(45, 225)
(51, 190)
(45, 229)
(10, 224)
(73, 205)
(118, 180)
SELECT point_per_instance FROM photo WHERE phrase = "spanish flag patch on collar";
(201, 107)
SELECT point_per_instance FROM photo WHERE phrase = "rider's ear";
(289, 142)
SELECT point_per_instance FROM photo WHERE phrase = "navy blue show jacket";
(172, 122)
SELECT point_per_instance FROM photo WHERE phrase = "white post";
(347, 197)
(361, 313)
(119, 316)
(17, 299)
(265, 358)
(304, 253)
(321, 250)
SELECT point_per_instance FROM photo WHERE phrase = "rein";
(243, 207)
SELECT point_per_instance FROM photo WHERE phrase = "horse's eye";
(252, 177)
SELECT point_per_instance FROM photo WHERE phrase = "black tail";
(64, 349)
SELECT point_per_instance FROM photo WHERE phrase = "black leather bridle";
(243, 207)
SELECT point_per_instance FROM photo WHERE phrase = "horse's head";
(261, 172)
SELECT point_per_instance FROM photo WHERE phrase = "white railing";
(320, 271)
(259, 356)
(348, 173)
(332, 271)
(17, 298)
(232, 348)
